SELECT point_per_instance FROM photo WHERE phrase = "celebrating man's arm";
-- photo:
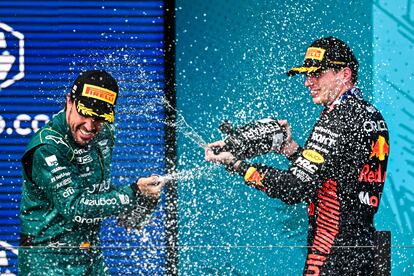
(291, 186)
(75, 201)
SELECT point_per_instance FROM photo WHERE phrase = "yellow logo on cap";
(99, 93)
(85, 110)
(313, 156)
(305, 69)
(315, 53)
(89, 112)
(108, 117)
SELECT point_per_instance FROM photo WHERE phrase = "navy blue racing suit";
(340, 173)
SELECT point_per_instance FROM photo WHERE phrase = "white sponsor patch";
(79, 151)
(330, 142)
(103, 142)
(375, 126)
(64, 182)
(80, 219)
(365, 198)
(60, 176)
(300, 174)
(69, 191)
(98, 202)
(84, 159)
(51, 160)
(124, 199)
(317, 147)
(306, 165)
(55, 170)
(99, 187)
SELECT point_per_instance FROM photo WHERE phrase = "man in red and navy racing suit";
(340, 172)
(67, 189)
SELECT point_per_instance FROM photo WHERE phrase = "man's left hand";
(225, 158)
(289, 146)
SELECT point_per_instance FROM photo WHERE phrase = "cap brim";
(303, 70)
(96, 110)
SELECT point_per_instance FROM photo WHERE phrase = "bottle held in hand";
(253, 139)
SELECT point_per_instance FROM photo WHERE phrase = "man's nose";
(90, 124)
(309, 81)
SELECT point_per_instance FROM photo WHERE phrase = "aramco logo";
(11, 56)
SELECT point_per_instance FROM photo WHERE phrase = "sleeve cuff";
(134, 188)
(294, 156)
(143, 200)
(243, 167)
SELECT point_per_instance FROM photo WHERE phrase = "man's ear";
(69, 101)
(347, 74)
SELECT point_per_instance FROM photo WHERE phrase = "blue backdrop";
(43, 47)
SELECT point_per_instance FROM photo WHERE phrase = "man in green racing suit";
(67, 189)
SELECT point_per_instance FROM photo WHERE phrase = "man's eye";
(313, 75)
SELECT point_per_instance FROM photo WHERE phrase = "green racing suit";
(67, 193)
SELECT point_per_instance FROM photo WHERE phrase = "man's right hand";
(151, 186)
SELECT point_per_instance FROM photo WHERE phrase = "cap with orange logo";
(95, 93)
(324, 53)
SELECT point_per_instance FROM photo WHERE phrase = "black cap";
(95, 93)
(324, 53)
